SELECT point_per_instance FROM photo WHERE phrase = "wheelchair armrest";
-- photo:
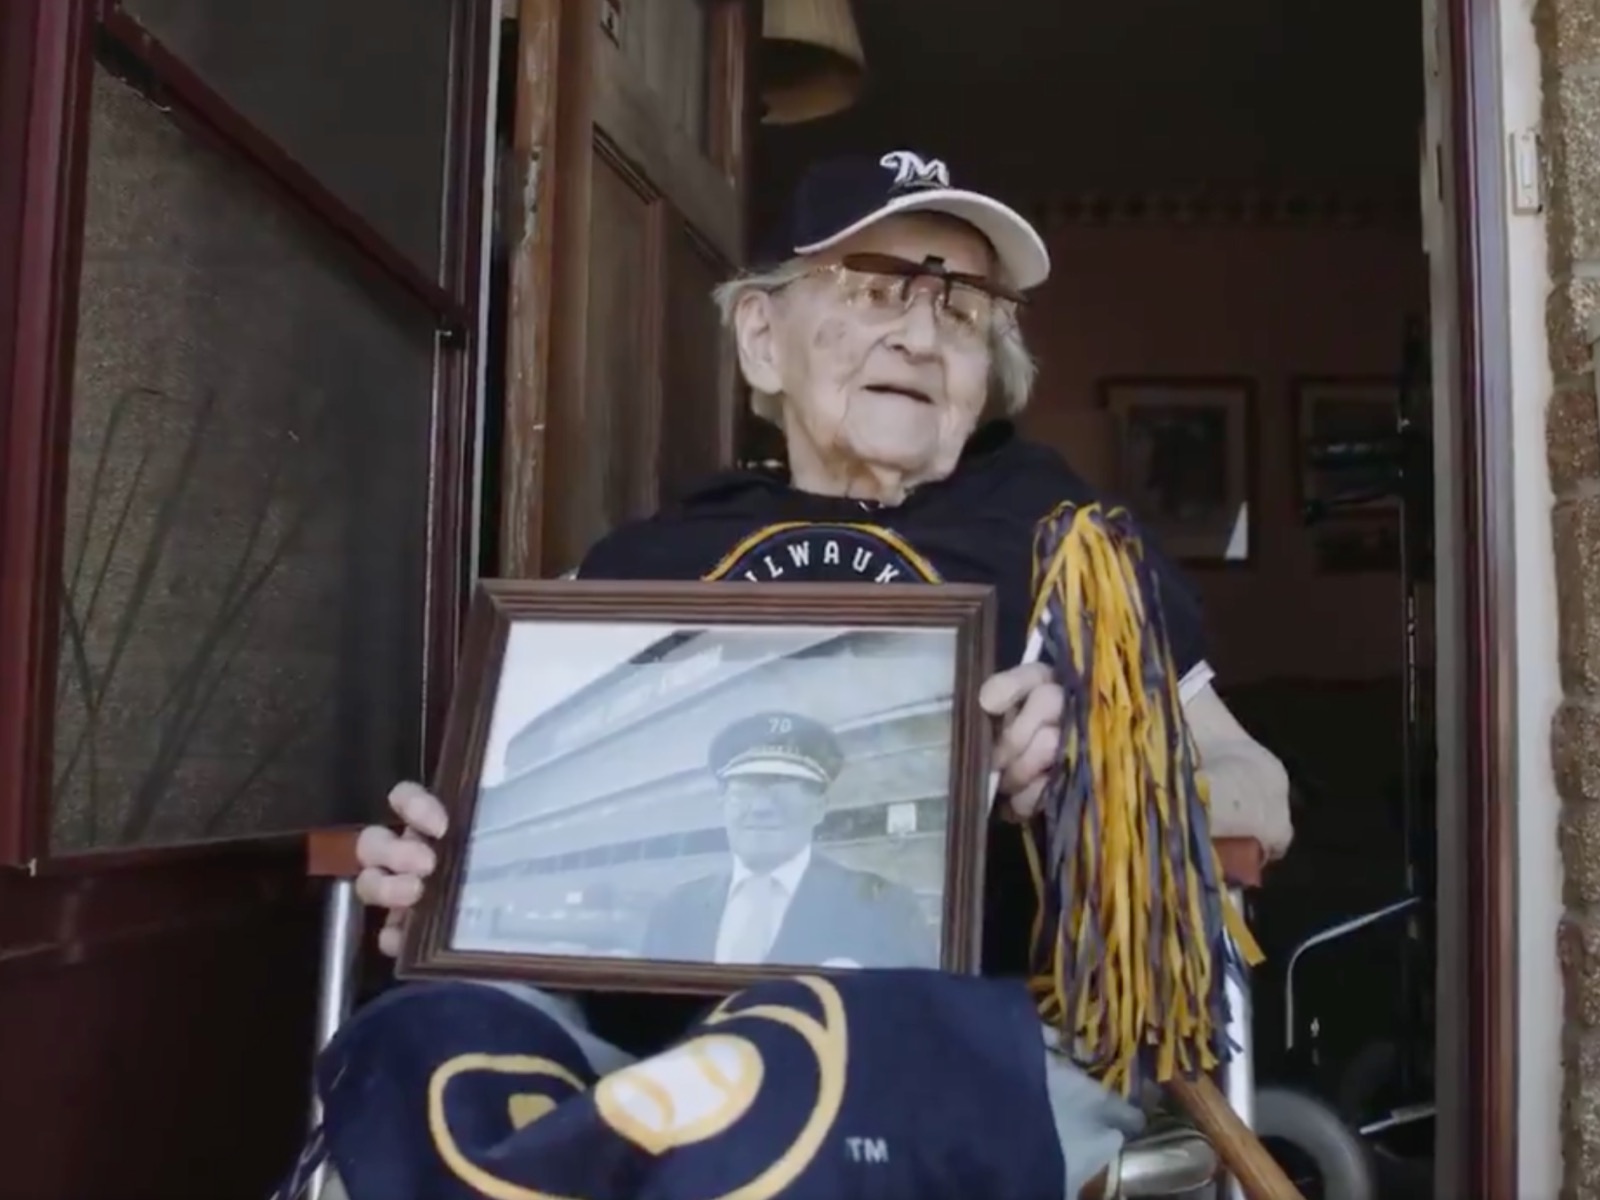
(331, 853)
(1244, 860)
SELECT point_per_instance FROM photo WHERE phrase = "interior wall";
(1270, 304)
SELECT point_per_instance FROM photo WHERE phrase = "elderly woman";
(879, 332)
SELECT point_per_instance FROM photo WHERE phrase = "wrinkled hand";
(394, 866)
(1028, 704)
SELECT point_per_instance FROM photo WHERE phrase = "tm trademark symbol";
(867, 1150)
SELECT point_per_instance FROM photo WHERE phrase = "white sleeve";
(1192, 684)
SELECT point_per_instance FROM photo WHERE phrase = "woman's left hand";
(1028, 705)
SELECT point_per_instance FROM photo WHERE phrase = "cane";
(1135, 934)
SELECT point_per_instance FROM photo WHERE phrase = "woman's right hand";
(393, 866)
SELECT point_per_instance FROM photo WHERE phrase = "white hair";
(1012, 369)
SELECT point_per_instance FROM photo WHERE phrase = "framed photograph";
(1350, 413)
(1185, 464)
(1357, 530)
(689, 786)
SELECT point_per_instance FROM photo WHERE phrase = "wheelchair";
(1373, 1135)
(1171, 1162)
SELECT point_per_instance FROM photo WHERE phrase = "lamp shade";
(811, 60)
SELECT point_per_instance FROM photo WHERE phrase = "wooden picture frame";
(1206, 515)
(1351, 539)
(638, 698)
(1357, 407)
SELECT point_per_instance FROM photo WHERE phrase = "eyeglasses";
(885, 286)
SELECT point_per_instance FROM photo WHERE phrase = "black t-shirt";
(975, 526)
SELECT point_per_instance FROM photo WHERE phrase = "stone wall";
(1569, 41)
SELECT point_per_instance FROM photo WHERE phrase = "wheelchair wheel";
(1317, 1150)
(1402, 1158)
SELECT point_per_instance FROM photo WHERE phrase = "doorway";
(1240, 294)
(1238, 230)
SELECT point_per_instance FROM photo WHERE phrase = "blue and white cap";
(837, 198)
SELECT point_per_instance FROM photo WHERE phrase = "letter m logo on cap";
(911, 171)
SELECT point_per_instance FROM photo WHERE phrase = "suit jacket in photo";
(836, 912)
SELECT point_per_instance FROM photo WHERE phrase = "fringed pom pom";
(1135, 929)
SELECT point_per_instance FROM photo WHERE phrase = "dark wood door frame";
(49, 51)
(150, 956)
(1477, 972)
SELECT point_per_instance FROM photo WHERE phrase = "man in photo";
(781, 900)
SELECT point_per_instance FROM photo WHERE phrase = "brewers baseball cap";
(838, 198)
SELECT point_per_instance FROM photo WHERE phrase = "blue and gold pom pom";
(1135, 930)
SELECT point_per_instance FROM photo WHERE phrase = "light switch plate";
(1527, 192)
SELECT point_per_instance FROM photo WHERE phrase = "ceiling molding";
(1244, 208)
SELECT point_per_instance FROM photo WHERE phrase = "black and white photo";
(714, 794)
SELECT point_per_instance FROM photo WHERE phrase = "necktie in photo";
(758, 899)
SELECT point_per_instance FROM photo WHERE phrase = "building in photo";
(608, 801)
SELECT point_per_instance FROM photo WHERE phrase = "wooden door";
(238, 286)
(631, 148)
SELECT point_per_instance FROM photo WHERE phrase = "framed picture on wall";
(686, 787)
(1341, 428)
(1185, 463)
(1346, 455)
